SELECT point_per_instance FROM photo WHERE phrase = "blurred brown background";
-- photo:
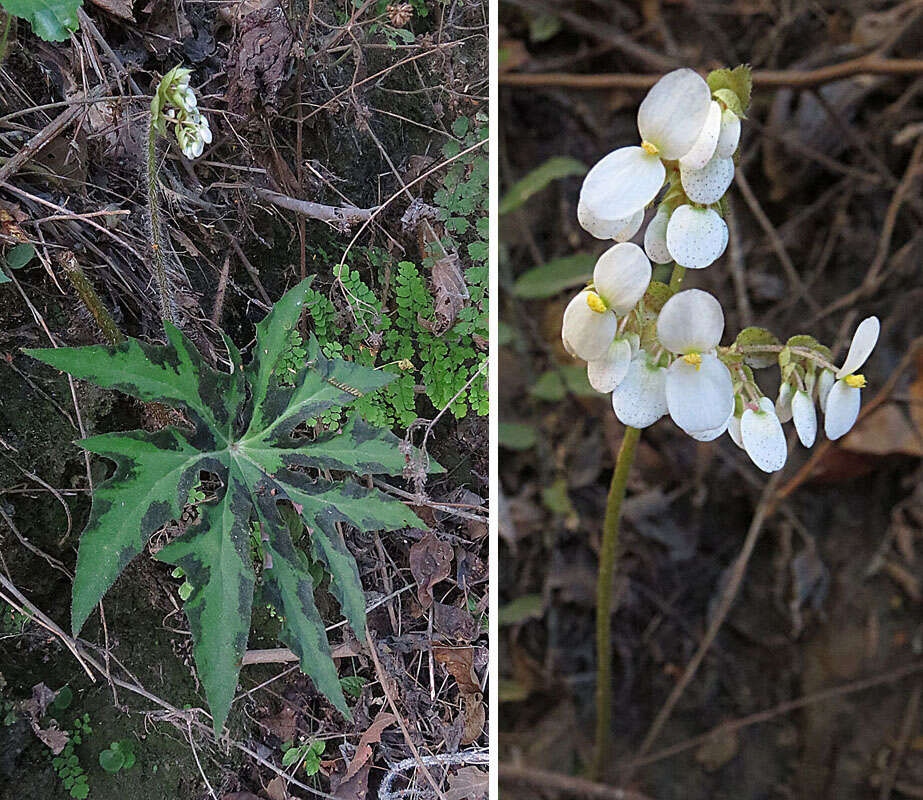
(825, 225)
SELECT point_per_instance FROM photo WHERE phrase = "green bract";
(244, 431)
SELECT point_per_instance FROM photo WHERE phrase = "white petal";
(704, 148)
(608, 372)
(205, 133)
(699, 397)
(635, 341)
(696, 237)
(824, 385)
(690, 322)
(640, 400)
(620, 184)
(843, 404)
(784, 402)
(729, 137)
(763, 437)
(863, 342)
(602, 228)
(655, 237)
(674, 111)
(708, 184)
(734, 431)
(714, 433)
(586, 333)
(805, 417)
(621, 276)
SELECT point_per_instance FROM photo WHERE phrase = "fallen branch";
(565, 784)
(774, 78)
(345, 215)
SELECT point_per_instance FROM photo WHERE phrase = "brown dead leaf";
(430, 562)
(282, 724)
(469, 783)
(886, 431)
(450, 290)
(118, 8)
(259, 61)
(54, 738)
(371, 736)
(356, 788)
(459, 661)
(469, 569)
(276, 789)
(475, 715)
(454, 622)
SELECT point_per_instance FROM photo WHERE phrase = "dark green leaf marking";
(245, 433)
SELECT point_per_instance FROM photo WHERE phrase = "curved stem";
(608, 553)
(158, 256)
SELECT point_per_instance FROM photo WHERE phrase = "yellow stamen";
(649, 148)
(855, 381)
(595, 302)
(693, 358)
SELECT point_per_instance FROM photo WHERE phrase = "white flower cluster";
(658, 351)
(688, 139)
(175, 103)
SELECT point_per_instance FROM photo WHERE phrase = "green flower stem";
(608, 555)
(158, 255)
(91, 300)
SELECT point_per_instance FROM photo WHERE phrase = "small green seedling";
(118, 756)
(16, 258)
(309, 753)
(352, 685)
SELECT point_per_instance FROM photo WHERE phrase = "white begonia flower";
(805, 417)
(729, 137)
(588, 327)
(620, 229)
(708, 184)
(824, 385)
(696, 237)
(673, 113)
(844, 398)
(763, 437)
(784, 402)
(714, 433)
(621, 276)
(655, 237)
(640, 399)
(608, 372)
(704, 148)
(700, 392)
(619, 186)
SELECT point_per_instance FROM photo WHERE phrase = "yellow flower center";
(595, 302)
(649, 148)
(693, 358)
(856, 381)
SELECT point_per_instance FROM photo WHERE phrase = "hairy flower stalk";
(656, 347)
(174, 103)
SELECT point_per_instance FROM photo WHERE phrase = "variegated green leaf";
(249, 439)
(215, 556)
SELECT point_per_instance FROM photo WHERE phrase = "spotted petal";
(696, 237)
(640, 399)
(805, 417)
(621, 229)
(619, 185)
(784, 402)
(655, 237)
(691, 322)
(729, 137)
(700, 397)
(704, 148)
(621, 276)
(863, 342)
(707, 184)
(824, 385)
(714, 433)
(608, 372)
(763, 437)
(674, 112)
(734, 431)
(843, 404)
